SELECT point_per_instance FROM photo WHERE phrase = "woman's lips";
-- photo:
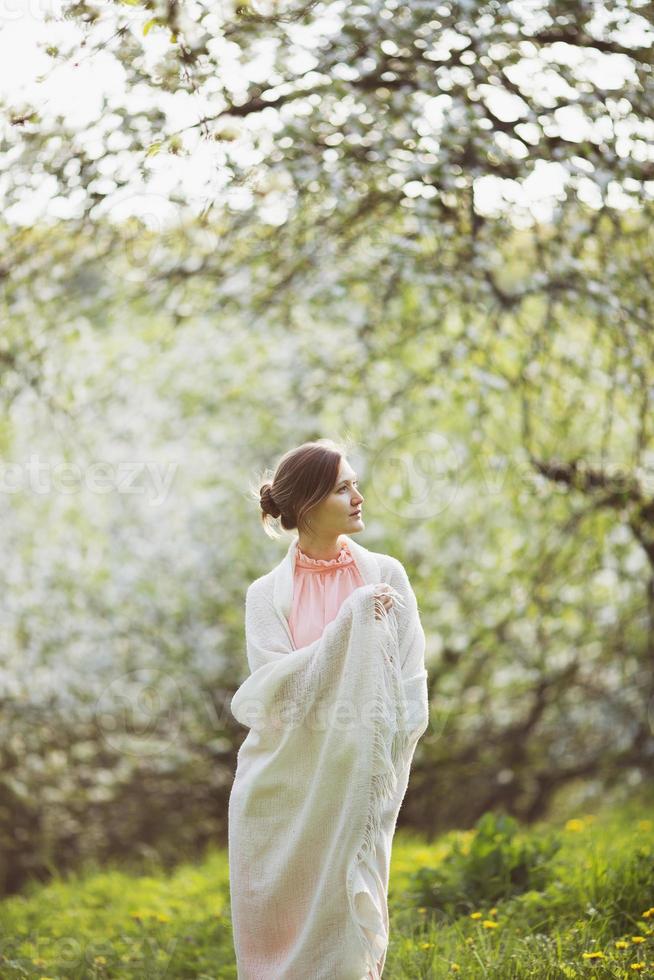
(357, 513)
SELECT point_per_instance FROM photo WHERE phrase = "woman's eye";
(356, 482)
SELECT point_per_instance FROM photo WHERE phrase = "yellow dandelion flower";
(637, 966)
(162, 917)
(422, 909)
(469, 940)
(454, 967)
(493, 911)
(475, 915)
(574, 824)
(638, 939)
(593, 955)
(621, 944)
(648, 913)
(426, 945)
(489, 924)
(100, 959)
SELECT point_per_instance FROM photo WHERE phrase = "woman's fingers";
(382, 598)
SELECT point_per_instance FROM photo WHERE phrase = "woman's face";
(334, 514)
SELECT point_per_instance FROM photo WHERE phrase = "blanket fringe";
(390, 742)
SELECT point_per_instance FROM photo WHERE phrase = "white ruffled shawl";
(333, 728)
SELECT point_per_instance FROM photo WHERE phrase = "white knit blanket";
(333, 728)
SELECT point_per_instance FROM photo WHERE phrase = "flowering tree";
(431, 221)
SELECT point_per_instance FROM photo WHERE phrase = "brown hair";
(303, 477)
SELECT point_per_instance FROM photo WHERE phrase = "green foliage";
(112, 924)
(497, 863)
(594, 921)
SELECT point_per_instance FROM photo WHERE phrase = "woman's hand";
(384, 597)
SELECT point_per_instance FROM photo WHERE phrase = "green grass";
(593, 892)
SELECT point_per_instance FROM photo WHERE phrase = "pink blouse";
(319, 587)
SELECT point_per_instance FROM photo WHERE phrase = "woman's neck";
(325, 548)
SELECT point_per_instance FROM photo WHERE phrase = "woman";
(336, 701)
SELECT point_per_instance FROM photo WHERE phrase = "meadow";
(568, 898)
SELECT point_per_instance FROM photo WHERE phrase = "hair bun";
(268, 504)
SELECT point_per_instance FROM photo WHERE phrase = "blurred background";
(424, 230)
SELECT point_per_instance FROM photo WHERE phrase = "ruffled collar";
(368, 563)
(344, 557)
